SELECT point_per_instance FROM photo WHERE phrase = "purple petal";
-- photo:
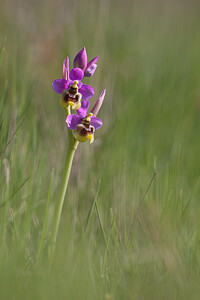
(66, 68)
(59, 85)
(93, 61)
(82, 112)
(86, 91)
(70, 82)
(90, 71)
(98, 104)
(76, 74)
(72, 121)
(96, 122)
(91, 67)
(79, 84)
(80, 61)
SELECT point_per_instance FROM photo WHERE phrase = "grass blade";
(135, 216)
(100, 223)
(11, 138)
(41, 247)
(92, 206)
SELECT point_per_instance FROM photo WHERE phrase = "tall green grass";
(109, 246)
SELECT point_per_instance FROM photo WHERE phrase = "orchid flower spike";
(84, 125)
(80, 61)
(71, 87)
(81, 126)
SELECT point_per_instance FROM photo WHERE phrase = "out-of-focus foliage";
(150, 65)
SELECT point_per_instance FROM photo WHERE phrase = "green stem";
(72, 146)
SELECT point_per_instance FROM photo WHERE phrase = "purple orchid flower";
(83, 124)
(80, 61)
(71, 87)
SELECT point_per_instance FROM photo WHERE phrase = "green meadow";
(130, 226)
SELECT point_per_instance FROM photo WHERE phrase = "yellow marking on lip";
(91, 138)
(70, 103)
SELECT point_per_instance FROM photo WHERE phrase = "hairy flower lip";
(73, 100)
(82, 134)
(83, 130)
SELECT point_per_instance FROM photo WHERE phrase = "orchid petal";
(72, 121)
(82, 112)
(86, 91)
(80, 60)
(79, 84)
(76, 74)
(70, 82)
(96, 122)
(59, 85)
(66, 68)
(90, 71)
(91, 67)
(93, 61)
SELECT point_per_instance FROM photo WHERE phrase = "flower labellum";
(85, 131)
(71, 97)
(83, 124)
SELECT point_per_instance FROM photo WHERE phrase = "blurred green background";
(149, 63)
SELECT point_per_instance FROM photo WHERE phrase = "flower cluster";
(75, 94)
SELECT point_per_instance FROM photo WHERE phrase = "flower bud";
(98, 104)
